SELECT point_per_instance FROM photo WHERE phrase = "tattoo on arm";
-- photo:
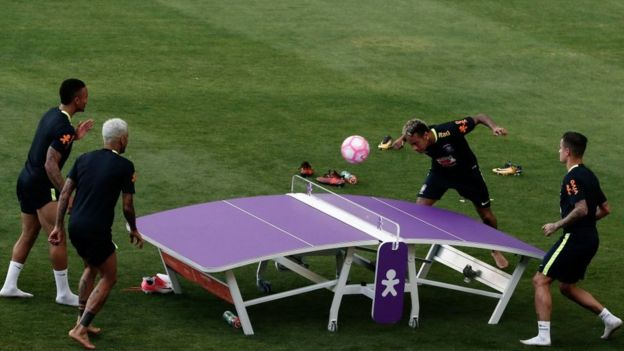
(64, 202)
(53, 159)
(128, 210)
(579, 211)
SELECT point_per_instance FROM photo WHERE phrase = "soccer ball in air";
(355, 149)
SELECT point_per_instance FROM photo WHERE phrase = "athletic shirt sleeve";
(463, 126)
(454, 129)
(574, 188)
(127, 186)
(63, 138)
(578, 185)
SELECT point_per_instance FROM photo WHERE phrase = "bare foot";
(94, 330)
(501, 261)
(90, 329)
(81, 337)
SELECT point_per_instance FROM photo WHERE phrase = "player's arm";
(83, 128)
(399, 142)
(484, 119)
(129, 214)
(53, 159)
(603, 210)
(580, 210)
(58, 233)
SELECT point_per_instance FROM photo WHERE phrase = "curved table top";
(221, 235)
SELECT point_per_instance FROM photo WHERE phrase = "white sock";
(604, 314)
(543, 329)
(10, 283)
(15, 268)
(62, 285)
(64, 295)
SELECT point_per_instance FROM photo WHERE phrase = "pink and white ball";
(355, 149)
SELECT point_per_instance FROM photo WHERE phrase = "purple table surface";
(425, 224)
(221, 235)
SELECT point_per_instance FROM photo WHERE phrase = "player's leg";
(543, 309)
(21, 249)
(432, 189)
(487, 217)
(97, 298)
(473, 188)
(543, 297)
(58, 256)
(588, 301)
(85, 287)
(583, 297)
(425, 202)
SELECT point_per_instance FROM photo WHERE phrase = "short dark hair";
(576, 142)
(69, 89)
(415, 126)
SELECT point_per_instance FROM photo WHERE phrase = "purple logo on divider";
(389, 283)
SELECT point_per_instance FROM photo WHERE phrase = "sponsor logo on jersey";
(447, 161)
(444, 134)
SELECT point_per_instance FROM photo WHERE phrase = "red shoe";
(155, 285)
(332, 178)
(305, 170)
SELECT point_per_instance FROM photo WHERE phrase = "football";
(355, 149)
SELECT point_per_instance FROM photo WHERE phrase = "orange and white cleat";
(508, 169)
(385, 143)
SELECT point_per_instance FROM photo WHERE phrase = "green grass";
(225, 99)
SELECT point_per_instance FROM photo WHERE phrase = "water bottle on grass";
(231, 319)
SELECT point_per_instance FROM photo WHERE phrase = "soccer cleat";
(612, 324)
(305, 170)
(350, 178)
(386, 143)
(508, 169)
(156, 284)
(331, 178)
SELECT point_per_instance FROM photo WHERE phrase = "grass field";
(226, 98)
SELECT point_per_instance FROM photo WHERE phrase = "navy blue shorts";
(92, 246)
(568, 259)
(469, 185)
(33, 196)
